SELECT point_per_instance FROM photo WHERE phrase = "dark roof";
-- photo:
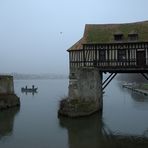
(104, 33)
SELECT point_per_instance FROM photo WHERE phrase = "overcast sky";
(30, 38)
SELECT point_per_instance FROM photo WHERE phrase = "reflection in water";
(7, 120)
(124, 122)
(139, 97)
(92, 132)
(33, 92)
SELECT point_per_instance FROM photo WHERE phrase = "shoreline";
(137, 90)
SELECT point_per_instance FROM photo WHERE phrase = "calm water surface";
(124, 122)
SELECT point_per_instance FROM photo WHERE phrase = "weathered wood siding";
(108, 55)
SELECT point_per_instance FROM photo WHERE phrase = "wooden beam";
(107, 79)
(103, 87)
(145, 76)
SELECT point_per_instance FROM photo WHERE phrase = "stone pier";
(85, 93)
(8, 97)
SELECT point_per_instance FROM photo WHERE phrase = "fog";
(35, 34)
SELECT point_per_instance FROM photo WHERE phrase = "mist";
(35, 34)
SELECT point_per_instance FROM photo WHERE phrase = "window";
(118, 36)
(132, 36)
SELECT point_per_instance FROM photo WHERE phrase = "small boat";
(25, 89)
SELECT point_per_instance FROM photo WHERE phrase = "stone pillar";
(85, 93)
(6, 85)
(7, 96)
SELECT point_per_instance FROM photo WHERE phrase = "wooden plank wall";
(90, 55)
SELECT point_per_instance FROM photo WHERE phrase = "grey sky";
(30, 39)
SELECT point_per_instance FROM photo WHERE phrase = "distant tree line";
(132, 78)
(19, 76)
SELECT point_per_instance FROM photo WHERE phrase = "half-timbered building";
(112, 47)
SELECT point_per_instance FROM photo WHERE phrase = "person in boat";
(33, 88)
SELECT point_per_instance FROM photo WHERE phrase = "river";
(123, 123)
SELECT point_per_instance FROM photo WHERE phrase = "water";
(124, 122)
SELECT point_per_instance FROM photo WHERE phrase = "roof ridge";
(103, 24)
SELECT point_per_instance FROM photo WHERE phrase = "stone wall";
(7, 96)
(85, 93)
(85, 83)
(6, 85)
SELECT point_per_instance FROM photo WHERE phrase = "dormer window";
(133, 36)
(118, 36)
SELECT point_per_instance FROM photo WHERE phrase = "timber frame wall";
(120, 57)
